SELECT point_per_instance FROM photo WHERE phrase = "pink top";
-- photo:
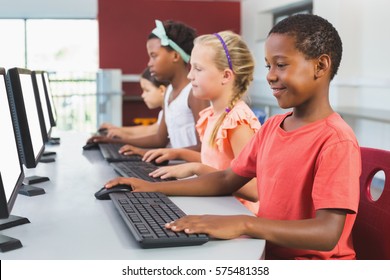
(221, 155)
(314, 167)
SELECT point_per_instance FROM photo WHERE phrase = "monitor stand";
(28, 190)
(13, 221)
(8, 243)
(35, 179)
(54, 141)
(47, 159)
(48, 153)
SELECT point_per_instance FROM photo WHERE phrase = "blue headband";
(159, 31)
(226, 50)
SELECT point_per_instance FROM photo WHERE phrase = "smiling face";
(291, 76)
(205, 77)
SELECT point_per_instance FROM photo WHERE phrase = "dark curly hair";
(314, 36)
(180, 33)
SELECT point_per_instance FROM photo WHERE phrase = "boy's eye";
(268, 67)
(281, 65)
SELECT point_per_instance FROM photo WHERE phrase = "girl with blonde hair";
(221, 70)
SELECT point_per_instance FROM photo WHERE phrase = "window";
(62, 45)
(286, 12)
(12, 48)
(68, 50)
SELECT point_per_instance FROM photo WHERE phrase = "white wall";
(363, 80)
(85, 9)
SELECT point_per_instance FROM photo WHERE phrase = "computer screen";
(49, 98)
(42, 102)
(25, 113)
(11, 171)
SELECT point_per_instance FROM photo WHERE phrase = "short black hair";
(314, 36)
(180, 33)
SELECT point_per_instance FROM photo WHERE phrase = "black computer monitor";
(11, 170)
(26, 122)
(50, 106)
(25, 116)
(44, 114)
(43, 104)
(49, 98)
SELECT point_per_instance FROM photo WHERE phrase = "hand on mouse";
(138, 185)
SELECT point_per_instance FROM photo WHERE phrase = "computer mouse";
(91, 146)
(103, 193)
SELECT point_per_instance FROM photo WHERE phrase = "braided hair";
(242, 64)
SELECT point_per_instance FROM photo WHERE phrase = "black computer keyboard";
(111, 154)
(137, 169)
(146, 213)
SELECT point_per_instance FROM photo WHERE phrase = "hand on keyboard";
(160, 155)
(102, 139)
(131, 150)
(176, 171)
(221, 227)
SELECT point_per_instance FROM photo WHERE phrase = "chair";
(371, 232)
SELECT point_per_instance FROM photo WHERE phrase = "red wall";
(124, 26)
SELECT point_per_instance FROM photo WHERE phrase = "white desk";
(69, 223)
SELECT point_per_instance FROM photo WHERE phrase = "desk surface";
(69, 223)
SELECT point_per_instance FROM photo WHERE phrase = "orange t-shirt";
(314, 167)
(221, 155)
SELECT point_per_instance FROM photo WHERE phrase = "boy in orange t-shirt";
(307, 162)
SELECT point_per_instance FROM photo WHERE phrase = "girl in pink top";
(222, 69)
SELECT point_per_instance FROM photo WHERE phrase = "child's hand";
(116, 132)
(222, 227)
(160, 155)
(131, 150)
(138, 185)
(100, 139)
(106, 126)
(175, 171)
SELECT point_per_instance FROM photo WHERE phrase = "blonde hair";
(242, 66)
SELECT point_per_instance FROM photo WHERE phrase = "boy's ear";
(322, 66)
